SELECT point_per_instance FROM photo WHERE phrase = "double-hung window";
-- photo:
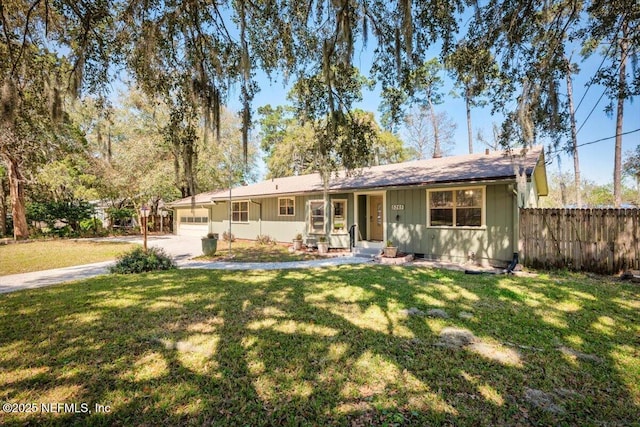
(316, 217)
(339, 216)
(286, 206)
(240, 211)
(456, 208)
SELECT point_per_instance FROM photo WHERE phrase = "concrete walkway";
(181, 248)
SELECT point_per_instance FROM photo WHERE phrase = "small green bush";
(65, 231)
(91, 224)
(139, 261)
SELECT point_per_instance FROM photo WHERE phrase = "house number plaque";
(397, 207)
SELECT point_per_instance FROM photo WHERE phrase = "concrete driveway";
(180, 248)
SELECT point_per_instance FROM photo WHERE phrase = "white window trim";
(333, 219)
(248, 211)
(483, 208)
(293, 199)
(324, 217)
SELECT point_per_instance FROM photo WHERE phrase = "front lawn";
(251, 251)
(40, 255)
(354, 345)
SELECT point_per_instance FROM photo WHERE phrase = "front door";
(376, 218)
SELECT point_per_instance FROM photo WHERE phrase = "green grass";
(44, 255)
(250, 251)
(322, 347)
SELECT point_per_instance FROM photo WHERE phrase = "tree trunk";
(563, 186)
(574, 139)
(467, 100)
(16, 194)
(437, 152)
(3, 207)
(617, 163)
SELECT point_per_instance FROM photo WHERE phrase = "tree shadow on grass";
(322, 346)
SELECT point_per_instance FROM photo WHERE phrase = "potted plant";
(297, 242)
(323, 245)
(210, 244)
(389, 250)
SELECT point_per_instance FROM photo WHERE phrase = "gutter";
(424, 184)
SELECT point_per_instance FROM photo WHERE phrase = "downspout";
(516, 231)
(515, 238)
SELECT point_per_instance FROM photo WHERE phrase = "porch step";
(366, 252)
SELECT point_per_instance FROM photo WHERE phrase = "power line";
(622, 60)
(604, 58)
(596, 141)
(610, 137)
(590, 112)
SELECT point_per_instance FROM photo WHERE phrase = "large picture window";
(339, 216)
(286, 206)
(316, 217)
(240, 212)
(456, 208)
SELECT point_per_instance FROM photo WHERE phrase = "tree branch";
(24, 37)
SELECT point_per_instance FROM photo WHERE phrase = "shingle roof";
(471, 167)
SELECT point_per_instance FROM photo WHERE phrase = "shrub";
(139, 261)
(265, 239)
(91, 224)
(65, 231)
(226, 236)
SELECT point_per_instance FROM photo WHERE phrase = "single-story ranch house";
(451, 208)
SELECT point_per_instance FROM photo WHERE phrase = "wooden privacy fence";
(597, 240)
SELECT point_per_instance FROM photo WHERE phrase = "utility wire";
(557, 150)
(590, 112)
(604, 58)
(622, 60)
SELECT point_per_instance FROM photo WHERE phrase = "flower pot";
(390, 251)
(323, 247)
(297, 245)
(209, 246)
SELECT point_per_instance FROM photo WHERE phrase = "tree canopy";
(190, 54)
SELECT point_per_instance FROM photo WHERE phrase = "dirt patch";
(579, 355)
(413, 311)
(455, 338)
(543, 400)
(437, 312)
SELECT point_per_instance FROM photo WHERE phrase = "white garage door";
(198, 230)
(193, 222)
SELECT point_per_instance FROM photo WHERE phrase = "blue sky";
(596, 160)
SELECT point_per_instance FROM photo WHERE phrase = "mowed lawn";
(44, 255)
(354, 345)
(250, 251)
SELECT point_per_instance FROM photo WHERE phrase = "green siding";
(406, 227)
(281, 228)
(492, 242)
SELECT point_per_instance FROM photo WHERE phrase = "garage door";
(193, 222)
(199, 230)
